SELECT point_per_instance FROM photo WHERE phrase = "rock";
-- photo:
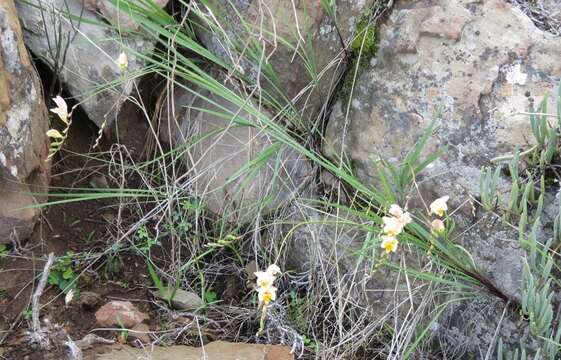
(89, 300)
(115, 15)
(480, 62)
(140, 332)
(223, 148)
(23, 123)
(218, 350)
(305, 26)
(182, 300)
(90, 60)
(119, 314)
(90, 340)
(345, 255)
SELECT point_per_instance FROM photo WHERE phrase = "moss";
(361, 51)
(365, 39)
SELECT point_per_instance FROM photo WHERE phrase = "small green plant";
(124, 332)
(3, 251)
(63, 273)
(145, 240)
(297, 311)
(488, 188)
(27, 313)
(210, 296)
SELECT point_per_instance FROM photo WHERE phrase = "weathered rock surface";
(182, 300)
(92, 49)
(480, 63)
(223, 147)
(312, 35)
(140, 332)
(119, 314)
(23, 123)
(116, 15)
(218, 350)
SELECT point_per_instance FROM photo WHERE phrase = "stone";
(90, 57)
(23, 123)
(477, 69)
(119, 314)
(222, 147)
(346, 255)
(182, 300)
(478, 64)
(309, 30)
(140, 332)
(115, 15)
(217, 350)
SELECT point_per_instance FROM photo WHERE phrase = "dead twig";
(36, 335)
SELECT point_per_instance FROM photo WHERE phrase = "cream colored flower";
(264, 279)
(392, 226)
(61, 110)
(395, 210)
(389, 243)
(437, 226)
(439, 206)
(55, 134)
(267, 294)
(123, 61)
(274, 270)
(69, 296)
(402, 216)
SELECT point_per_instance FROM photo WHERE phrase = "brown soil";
(78, 227)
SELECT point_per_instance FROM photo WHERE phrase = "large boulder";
(73, 38)
(302, 43)
(23, 123)
(478, 64)
(237, 169)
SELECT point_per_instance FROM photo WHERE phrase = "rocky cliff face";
(475, 65)
(23, 122)
(84, 50)
(300, 41)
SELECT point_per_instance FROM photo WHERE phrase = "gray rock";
(309, 31)
(90, 60)
(182, 299)
(221, 147)
(23, 123)
(346, 256)
(476, 61)
(115, 14)
(479, 62)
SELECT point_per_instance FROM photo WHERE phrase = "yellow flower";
(389, 243)
(437, 226)
(438, 206)
(392, 226)
(267, 294)
(61, 110)
(123, 61)
(402, 216)
(264, 279)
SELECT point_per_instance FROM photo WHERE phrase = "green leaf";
(68, 274)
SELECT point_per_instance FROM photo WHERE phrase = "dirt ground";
(80, 227)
